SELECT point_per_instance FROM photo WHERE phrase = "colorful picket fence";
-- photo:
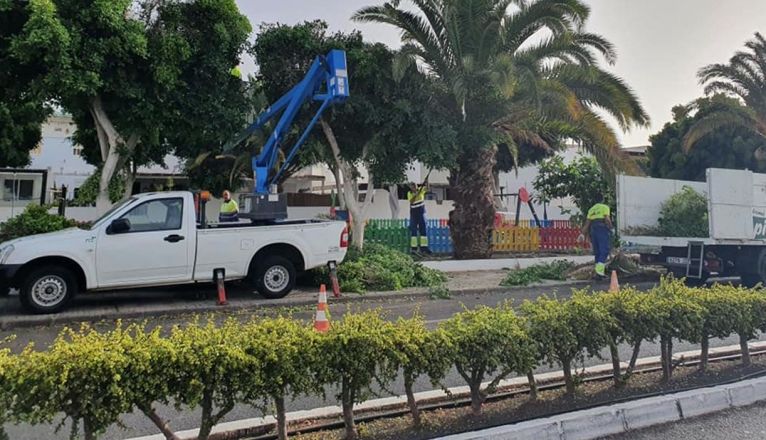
(552, 235)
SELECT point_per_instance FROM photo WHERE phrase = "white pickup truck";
(159, 239)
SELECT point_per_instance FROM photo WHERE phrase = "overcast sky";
(661, 43)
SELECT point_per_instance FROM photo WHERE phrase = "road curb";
(27, 321)
(626, 417)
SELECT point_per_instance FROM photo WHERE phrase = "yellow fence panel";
(516, 239)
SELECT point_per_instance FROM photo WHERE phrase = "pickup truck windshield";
(114, 208)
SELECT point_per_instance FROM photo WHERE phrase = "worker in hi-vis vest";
(417, 198)
(229, 209)
(598, 227)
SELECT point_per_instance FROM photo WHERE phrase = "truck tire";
(275, 277)
(750, 280)
(754, 271)
(47, 289)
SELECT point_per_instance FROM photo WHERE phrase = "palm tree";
(743, 77)
(517, 72)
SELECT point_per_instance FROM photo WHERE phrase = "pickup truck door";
(156, 249)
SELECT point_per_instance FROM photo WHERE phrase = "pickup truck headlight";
(5, 252)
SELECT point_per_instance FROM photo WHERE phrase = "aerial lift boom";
(327, 83)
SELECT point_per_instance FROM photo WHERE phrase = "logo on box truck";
(759, 224)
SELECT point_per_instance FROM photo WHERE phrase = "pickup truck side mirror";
(118, 226)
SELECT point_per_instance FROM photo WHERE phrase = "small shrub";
(556, 270)
(34, 220)
(565, 331)
(355, 353)
(684, 215)
(488, 344)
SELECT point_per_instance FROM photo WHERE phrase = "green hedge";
(93, 378)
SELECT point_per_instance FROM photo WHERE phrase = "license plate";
(678, 260)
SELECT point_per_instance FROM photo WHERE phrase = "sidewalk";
(501, 263)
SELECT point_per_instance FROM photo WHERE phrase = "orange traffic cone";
(614, 285)
(321, 323)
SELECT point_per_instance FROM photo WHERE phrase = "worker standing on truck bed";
(417, 198)
(598, 227)
(229, 209)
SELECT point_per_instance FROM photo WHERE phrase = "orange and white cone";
(321, 323)
(614, 285)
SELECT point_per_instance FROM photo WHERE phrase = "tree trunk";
(414, 410)
(279, 402)
(704, 352)
(339, 186)
(393, 201)
(616, 368)
(160, 423)
(350, 189)
(206, 421)
(633, 358)
(347, 399)
(110, 142)
(744, 349)
(88, 430)
(477, 397)
(130, 179)
(473, 217)
(532, 385)
(666, 358)
(566, 365)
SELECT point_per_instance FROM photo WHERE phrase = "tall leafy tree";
(732, 147)
(22, 108)
(518, 73)
(743, 77)
(391, 118)
(142, 73)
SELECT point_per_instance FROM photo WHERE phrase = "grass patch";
(556, 270)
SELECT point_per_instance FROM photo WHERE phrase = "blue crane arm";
(325, 82)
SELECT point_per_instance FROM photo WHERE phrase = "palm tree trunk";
(472, 221)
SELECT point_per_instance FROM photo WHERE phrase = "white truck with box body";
(736, 242)
(160, 239)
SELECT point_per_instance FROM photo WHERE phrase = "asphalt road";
(740, 424)
(434, 312)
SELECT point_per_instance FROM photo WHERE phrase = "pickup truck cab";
(158, 239)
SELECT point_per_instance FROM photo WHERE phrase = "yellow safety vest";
(418, 198)
(229, 207)
(599, 211)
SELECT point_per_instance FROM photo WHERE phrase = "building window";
(22, 189)
(77, 150)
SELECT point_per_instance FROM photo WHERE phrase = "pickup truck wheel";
(48, 289)
(275, 277)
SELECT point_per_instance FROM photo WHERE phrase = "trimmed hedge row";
(93, 378)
